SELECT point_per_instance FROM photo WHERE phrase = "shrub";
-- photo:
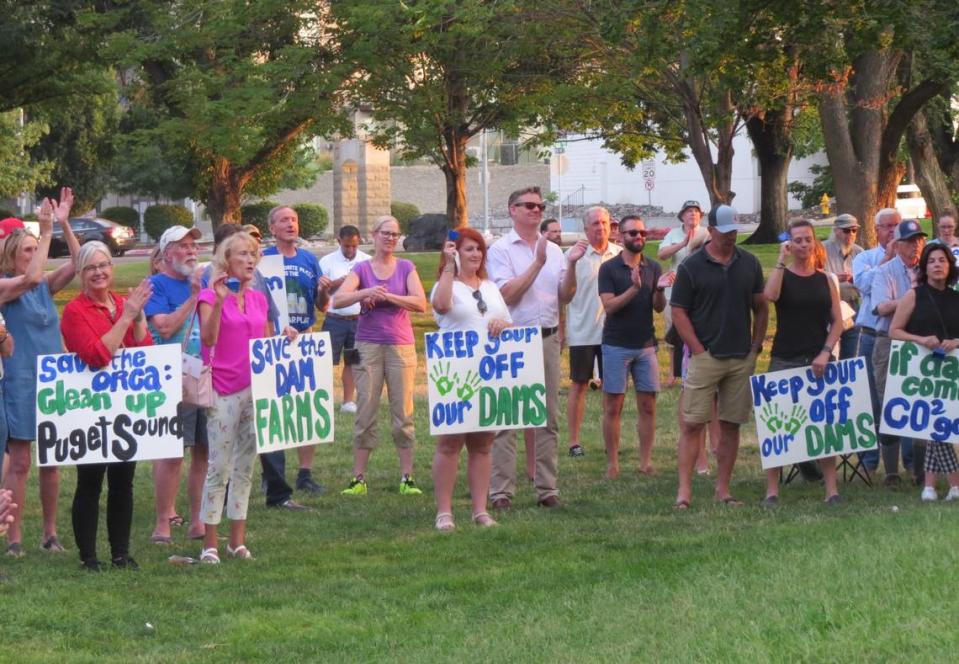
(29, 216)
(255, 213)
(7, 213)
(404, 213)
(313, 219)
(158, 218)
(122, 215)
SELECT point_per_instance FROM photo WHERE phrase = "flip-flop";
(161, 540)
(681, 505)
(729, 501)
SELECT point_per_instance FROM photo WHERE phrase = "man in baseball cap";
(724, 219)
(177, 233)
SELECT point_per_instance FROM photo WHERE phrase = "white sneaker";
(348, 407)
(929, 495)
(953, 493)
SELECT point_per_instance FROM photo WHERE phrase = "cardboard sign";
(125, 411)
(800, 417)
(292, 387)
(922, 394)
(479, 383)
(271, 267)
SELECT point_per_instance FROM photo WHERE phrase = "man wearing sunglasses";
(841, 250)
(630, 287)
(528, 269)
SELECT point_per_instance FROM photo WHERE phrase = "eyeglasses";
(390, 235)
(529, 205)
(634, 233)
(101, 267)
(849, 231)
(480, 304)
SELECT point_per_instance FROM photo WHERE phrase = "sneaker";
(15, 550)
(576, 450)
(348, 407)
(308, 484)
(953, 493)
(407, 487)
(125, 562)
(92, 565)
(357, 487)
(929, 495)
(291, 505)
(892, 481)
(769, 502)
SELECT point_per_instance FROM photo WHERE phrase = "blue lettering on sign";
(275, 283)
(515, 334)
(453, 343)
(764, 389)
(776, 445)
(835, 372)
(832, 407)
(294, 376)
(495, 366)
(310, 345)
(269, 351)
(448, 414)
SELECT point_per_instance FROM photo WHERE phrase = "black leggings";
(86, 507)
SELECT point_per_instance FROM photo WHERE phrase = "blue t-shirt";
(302, 273)
(168, 295)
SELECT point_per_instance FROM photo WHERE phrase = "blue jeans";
(870, 459)
(274, 474)
(849, 344)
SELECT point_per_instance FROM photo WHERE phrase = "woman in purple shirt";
(389, 289)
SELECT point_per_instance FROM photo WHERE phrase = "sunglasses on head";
(529, 205)
(480, 304)
(634, 232)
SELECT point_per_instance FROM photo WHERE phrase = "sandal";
(444, 522)
(239, 552)
(176, 520)
(52, 545)
(161, 540)
(681, 505)
(15, 550)
(729, 501)
(484, 519)
(210, 556)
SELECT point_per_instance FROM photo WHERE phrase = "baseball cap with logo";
(177, 233)
(907, 229)
(8, 225)
(687, 205)
(724, 219)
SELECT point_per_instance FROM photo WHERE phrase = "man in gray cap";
(720, 312)
(841, 250)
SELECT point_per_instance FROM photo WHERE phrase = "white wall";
(606, 180)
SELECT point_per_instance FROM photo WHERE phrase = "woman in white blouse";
(464, 299)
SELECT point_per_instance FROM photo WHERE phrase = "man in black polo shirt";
(630, 287)
(721, 314)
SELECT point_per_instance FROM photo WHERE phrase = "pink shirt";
(508, 258)
(231, 359)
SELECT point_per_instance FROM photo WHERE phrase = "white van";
(909, 202)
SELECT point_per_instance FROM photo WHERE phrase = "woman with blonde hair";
(388, 288)
(26, 295)
(231, 314)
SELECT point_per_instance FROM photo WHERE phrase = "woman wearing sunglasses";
(388, 289)
(464, 299)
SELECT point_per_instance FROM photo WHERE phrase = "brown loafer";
(550, 502)
(502, 504)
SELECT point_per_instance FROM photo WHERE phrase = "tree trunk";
(717, 176)
(771, 141)
(455, 171)
(932, 181)
(225, 193)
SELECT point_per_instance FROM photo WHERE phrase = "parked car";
(909, 202)
(116, 236)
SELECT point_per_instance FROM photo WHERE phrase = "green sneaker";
(357, 487)
(408, 487)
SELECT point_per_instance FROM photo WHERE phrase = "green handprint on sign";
(771, 416)
(797, 418)
(441, 379)
(468, 388)
(777, 419)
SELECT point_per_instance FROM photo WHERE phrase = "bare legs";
(478, 466)
(645, 429)
(575, 407)
(194, 487)
(18, 468)
(348, 385)
(166, 482)
(726, 453)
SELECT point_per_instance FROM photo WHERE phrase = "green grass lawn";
(616, 575)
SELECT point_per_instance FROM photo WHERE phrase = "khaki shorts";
(727, 379)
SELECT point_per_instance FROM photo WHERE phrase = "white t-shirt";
(464, 314)
(585, 314)
(335, 265)
(677, 236)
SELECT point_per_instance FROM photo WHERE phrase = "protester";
(156, 260)
(171, 319)
(614, 235)
(96, 323)
(895, 278)
(841, 251)
(676, 246)
(231, 314)
(26, 295)
(808, 325)
(553, 231)
(630, 287)
(304, 296)
(946, 229)
(341, 323)
(720, 312)
(865, 266)
(585, 316)
(528, 269)
(464, 299)
(388, 289)
(929, 315)
(224, 231)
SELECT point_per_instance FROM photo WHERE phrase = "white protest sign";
(800, 417)
(479, 383)
(292, 387)
(922, 394)
(273, 271)
(125, 411)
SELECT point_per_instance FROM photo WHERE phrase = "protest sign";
(479, 383)
(800, 417)
(125, 411)
(273, 271)
(292, 387)
(922, 394)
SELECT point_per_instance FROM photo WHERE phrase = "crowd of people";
(833, 300)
